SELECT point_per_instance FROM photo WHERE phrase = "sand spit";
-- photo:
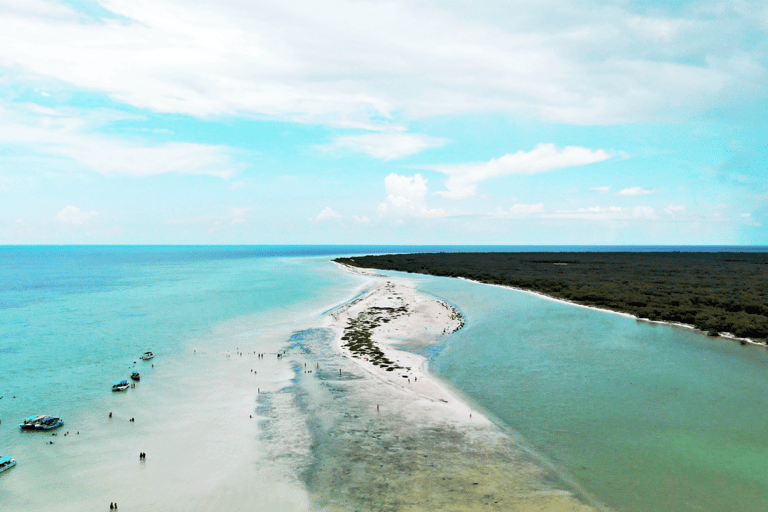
(405, 442)
(394, 313)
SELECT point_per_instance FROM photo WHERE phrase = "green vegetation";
(357, 335)
(715, 292)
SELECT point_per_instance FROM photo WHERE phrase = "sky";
(384, 122)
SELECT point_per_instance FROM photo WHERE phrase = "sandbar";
(413, 443)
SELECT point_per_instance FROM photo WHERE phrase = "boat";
(120, 385)
(31, 422)
(147, 355)
(136, 376)
(49, 423)
(6, 463)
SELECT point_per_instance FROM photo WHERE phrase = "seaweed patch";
(357, 335)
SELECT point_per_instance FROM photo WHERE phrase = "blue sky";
(366, 122)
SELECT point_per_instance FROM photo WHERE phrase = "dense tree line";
(715, 292)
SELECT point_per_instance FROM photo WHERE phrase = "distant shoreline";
(728, 336)
(719, 293)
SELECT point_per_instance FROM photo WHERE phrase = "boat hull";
(31, 422)
(49, 426)
(7, 465)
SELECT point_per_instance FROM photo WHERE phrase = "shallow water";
(75, 320)
(643, 416)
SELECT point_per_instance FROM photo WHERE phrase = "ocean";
(626, 414)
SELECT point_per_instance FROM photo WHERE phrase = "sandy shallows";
(397, 439)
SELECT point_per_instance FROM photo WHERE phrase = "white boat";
(147, 356)
(120, 385)
(6, 463)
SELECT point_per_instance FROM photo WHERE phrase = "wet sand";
(405, 441)
(321, 426)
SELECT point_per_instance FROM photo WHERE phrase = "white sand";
(465, 461)
(427, 321)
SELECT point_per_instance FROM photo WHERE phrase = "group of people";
(112, 506)
(142, 456)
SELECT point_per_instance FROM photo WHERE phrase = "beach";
(267, 410)
(414, 445)
(290, 383)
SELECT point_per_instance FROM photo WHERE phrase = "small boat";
(136, 376)
(31, 422)
(120, 385)
(49, 423)
(6, 463)
(147, 355)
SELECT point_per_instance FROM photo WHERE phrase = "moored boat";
(147, 355)
(49, 423)
(120, 385)
(6, 463)
(31, 422)
(135, 376)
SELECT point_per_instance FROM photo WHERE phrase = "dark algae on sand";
(717, 292)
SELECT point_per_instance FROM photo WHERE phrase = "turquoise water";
(643, 417)
(73, 319)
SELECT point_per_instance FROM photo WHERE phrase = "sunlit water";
(646, 417)
(642, 417)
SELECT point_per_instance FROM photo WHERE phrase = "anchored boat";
(147, 355)
(120, 385)
(6, 463)
(31, 422)
(49, 423)
(135, 376)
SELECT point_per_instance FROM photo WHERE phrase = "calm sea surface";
(643, 417)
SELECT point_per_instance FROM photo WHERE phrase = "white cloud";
(407, 195)
(355, 63)
(675, 208)
(636, 191)
(527, 208)
(404, 193)
(73, 215)
(463, 178)
(327, 214)
(592, 212)
(606, 213)
(135, 159)
(604, 189)
(238, 215)
(362, 220)
(387, 146)
(519, 209)
(433, 212)
(73, 133)
(646, 212)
